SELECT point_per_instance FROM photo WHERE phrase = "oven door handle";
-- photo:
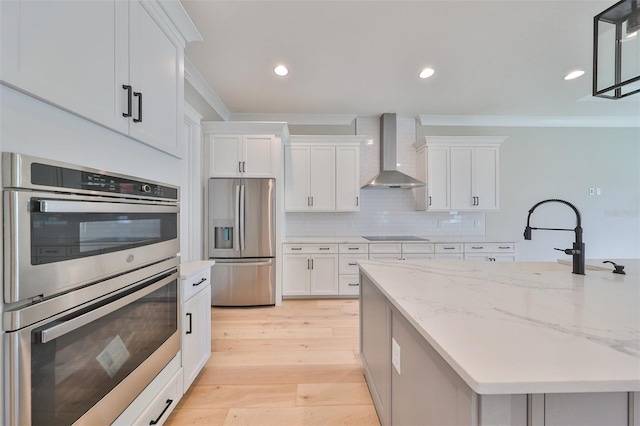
(66, 327)
(55, 206)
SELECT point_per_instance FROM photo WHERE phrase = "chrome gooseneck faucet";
(578, 246)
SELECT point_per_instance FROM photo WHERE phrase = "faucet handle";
(569, 251)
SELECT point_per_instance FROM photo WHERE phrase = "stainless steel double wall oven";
(90, 289)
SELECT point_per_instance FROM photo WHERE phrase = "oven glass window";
(71, 373)
(64, 236)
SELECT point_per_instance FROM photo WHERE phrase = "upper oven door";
(58, 242)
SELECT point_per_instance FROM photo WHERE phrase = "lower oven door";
(55, 243)
(86, 367)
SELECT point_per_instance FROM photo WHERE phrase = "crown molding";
(527, 121)
(246, 127)
(195, 79)
(299, 119)
(181, 19)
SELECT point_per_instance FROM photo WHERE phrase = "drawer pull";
(199, 282)
(354, 248)
(353, 264)
(296, 248)
(504, 248)
(354, 284)
(156, 421)
(190, 323)
(477, 247)
(325, 248)
(449, 248)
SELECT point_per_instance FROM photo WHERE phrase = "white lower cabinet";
(310, 269)
(349, 278)
(163, 404)
(196, 318)
(490, 252)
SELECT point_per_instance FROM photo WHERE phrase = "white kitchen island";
(451, 342)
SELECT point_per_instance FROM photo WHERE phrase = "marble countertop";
(187, 269)
(360, 240)
(521, 327)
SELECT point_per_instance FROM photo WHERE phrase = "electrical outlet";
(598, 192)
(592, 191)
(395, 355)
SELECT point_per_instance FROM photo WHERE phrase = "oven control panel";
(61, 177)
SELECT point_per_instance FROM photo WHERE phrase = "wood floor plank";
(225, 396)
(333, 394)
(274, 374)
(268, 345)
(297, 364)
(283, 358)
(298, 416)
(281, 333)
(197, 416)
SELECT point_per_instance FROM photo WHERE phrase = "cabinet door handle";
(190, 323)
(156, 421)
(429, 200)
(244, 167)
(199, 282)
(353, 264)
(308, 201)
(139, 96)
(354, 284)
(129, 100)
(311, 263)
(312, 201)
(357, 201)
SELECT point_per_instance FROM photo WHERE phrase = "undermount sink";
(394, 238)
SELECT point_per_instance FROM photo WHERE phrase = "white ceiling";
(492, 58)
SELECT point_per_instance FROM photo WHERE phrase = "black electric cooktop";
(394, 238)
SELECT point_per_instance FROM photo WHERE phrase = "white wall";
(542, 163)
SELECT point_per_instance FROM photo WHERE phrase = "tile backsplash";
(385, 211)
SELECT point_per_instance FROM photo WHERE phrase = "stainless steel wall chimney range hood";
(389, 176)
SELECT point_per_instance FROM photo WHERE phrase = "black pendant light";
(616, 51)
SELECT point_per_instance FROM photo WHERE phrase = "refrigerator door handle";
(236, 215)
(242, 236)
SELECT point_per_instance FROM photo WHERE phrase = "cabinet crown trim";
(459, 140)
(326, 139)
(245, 128)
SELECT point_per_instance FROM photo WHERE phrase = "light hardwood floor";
(292, 365)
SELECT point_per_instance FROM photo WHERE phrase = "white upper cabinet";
(348, 176)
(116, 63)
(322, 173)
(241, 155)
(462, 173)
(310, 178)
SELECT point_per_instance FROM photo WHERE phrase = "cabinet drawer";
(449, 248)
(194, 284)
(385, 248)
(164, 403)
(309, 248)
(417, 248)
(348, 263)
(354, 248)
(489, 247)
(385, 256)
(349, 284)
(449, 256)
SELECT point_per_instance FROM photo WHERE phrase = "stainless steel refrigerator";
(242, 241)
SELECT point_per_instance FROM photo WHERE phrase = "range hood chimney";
(389, 176)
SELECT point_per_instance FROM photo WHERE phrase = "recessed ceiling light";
(281, 70)
(573, 74)
(426, 73)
